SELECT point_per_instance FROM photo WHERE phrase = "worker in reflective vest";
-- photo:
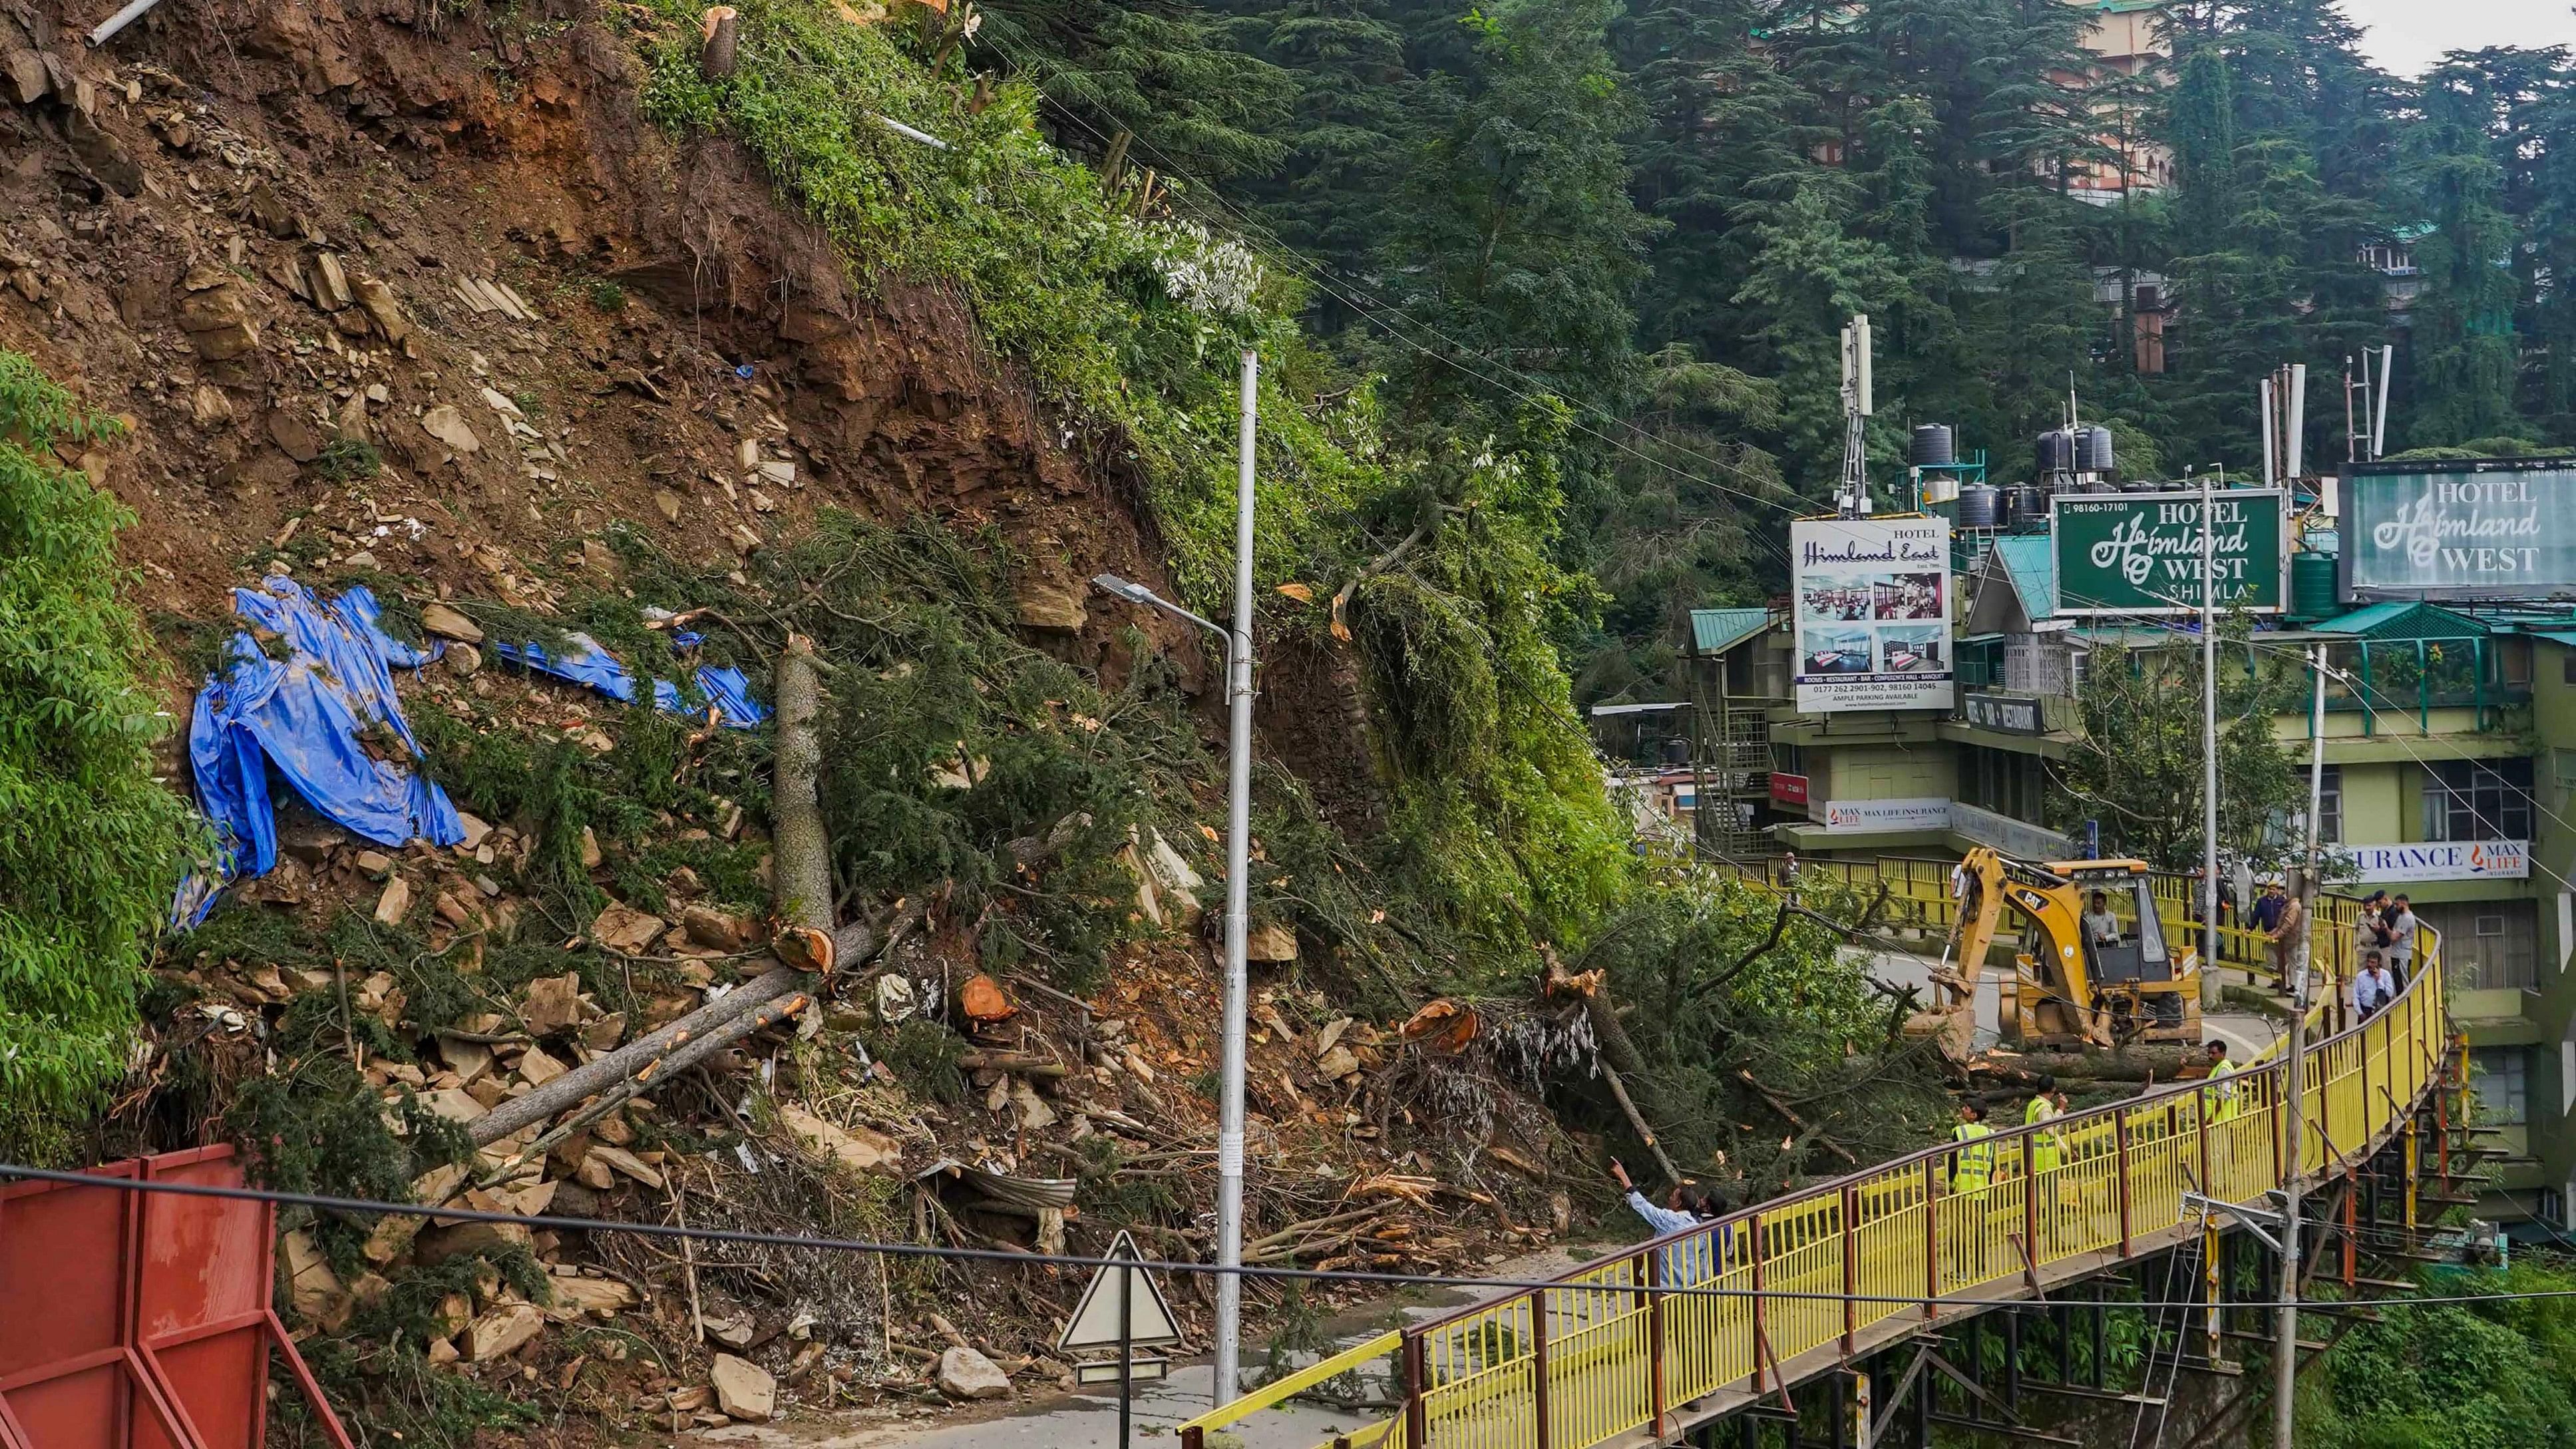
(1972, 1167)
(2047, 1149)
(2218, 1102)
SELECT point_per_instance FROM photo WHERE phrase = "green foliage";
(925, 1055)
(1709, 993)
(349, 460)
(2138, 770)
(2453, 1376)
(94, 845)
(1498, 809)
(1161, 69)
(607, 296)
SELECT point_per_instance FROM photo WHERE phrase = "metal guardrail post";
(1851, 1267)
(2030, 1201)
(1538, 1368)
(1655, 1332)
(2200, 1140)
(2120, 1145)
(1931, 1239)
(1417, 1416)
(1761, 1337)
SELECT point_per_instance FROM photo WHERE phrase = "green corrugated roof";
(2403, 619)
(2032, 566)
(1714, 631)
(2557, 636)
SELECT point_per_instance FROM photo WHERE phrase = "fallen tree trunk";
(803, 896)
(2133, 1064)
(707, 1024)
(802, 889)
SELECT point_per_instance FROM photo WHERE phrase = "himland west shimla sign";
(2140, 553)
(2482, 528)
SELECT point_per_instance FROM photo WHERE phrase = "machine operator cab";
(2129, 947)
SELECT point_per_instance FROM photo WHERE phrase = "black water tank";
(2055, 452)
(2025, 505)
(2093, 450)
(1981, 506)
(1934, 446)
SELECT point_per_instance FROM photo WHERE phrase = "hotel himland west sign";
(2140, 553)
(2483, 528)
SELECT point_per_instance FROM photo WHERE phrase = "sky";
(2405, 36)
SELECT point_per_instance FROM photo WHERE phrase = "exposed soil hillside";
(411, 297)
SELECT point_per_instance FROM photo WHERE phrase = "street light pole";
(1238, 853)
(1238, 850)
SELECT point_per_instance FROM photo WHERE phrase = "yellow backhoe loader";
(2069, 991)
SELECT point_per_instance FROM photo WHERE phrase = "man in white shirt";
(2374, 988)
(2100, 926)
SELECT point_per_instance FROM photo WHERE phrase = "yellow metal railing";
(1610, 1347)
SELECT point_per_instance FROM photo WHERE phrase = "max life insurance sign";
(2442, 860)
(1873, 613)
(2483, 528)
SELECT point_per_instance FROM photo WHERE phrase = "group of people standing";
(2384, 935)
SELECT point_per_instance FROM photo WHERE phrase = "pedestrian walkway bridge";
(1638, 1349)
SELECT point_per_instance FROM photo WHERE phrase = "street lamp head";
(1131, 592)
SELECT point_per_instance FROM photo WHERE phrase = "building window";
(2487, 945)
(2477, 800)
(2513, 661)
(2502, 1085)
(2004, 781)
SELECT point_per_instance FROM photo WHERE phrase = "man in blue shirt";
(2267, 911)
(1687, 1206)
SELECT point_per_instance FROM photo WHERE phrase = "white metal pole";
(2271, 432)
(2208, 747)
(2295, 435)
(2285, 1350)
(2379, 419)
(1238, 853)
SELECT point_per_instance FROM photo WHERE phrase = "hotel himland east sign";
(1873, 613)
(2490, 528)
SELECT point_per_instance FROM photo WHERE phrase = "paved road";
(1089, 1420)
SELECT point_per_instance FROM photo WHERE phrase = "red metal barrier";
(141, 1320)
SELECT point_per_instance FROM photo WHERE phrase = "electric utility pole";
(2285, 1352)
(2208, 743)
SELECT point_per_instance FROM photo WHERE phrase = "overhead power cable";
(324, 1203)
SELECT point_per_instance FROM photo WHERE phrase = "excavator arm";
(2062, 1003)
(1978, 886)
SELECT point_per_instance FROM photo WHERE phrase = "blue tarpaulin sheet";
(588, 664)
(308, 715)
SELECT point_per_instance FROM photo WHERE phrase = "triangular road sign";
(1094, 1324)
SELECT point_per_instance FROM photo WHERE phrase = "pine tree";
(1166, 71)
(2464, 348)
(1512, 238)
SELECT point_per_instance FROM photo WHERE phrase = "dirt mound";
(387, 289)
